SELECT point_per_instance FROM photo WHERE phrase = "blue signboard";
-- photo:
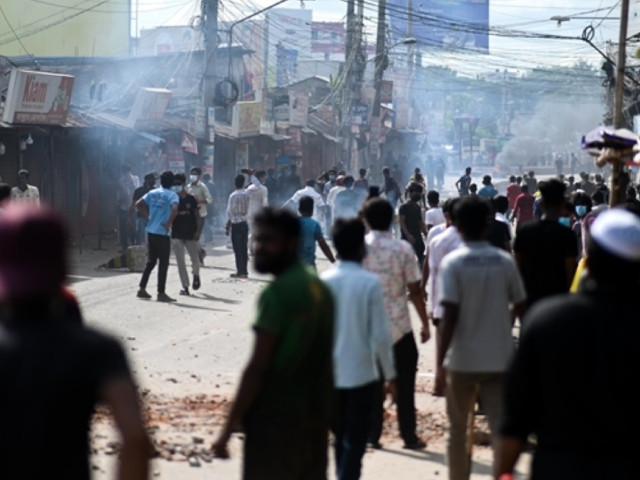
(450, 24)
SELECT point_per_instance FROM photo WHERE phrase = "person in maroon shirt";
(523, 207)
(513, 190)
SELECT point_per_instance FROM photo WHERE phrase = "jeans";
(124, 228)
(193, 247)
(463, 389)
(240, 243)
(141, 234)
(159, 250)
(405, 353)
(351, 428)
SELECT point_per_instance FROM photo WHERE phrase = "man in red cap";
(54, 371)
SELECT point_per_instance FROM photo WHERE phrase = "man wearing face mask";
(185, 232)
(411, 221)
(546, 249)
(201, 192)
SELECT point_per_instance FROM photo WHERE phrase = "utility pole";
(380, 64)
(209, 64)
(348, 86)
(619, 175)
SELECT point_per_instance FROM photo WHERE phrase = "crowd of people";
(331, 346)
(475, 267)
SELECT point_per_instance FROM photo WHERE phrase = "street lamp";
(566, 18)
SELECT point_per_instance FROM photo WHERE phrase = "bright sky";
(512, 53)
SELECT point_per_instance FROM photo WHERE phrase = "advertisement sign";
(246, 119)
(200, 127)
(299, 109)
(443, 23)
(281, 109)
(37, 97)
(386, 91)
(150, 104)
(358, 114)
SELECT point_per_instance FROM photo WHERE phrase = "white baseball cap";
(618, 232)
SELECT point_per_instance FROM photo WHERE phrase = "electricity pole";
(619, 176)
(210, 31)
(348, 86)
(380, 64)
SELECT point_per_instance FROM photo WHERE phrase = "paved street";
(187, 358)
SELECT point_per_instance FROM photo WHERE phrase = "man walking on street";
(412, 225)
(310, 234)
(186, 231)
(53, 370)
(464, 182)
(238, 227)
(159, 207)
(394, 261)
(478, 283)
(201, 192)
(547, 251)
(362, 341)
(258, 196)
(571, 380)
(284, 397)
(391, 189)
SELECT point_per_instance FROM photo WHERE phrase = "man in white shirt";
(258, 194)
(478, 283)
(434, 215)
(361, 342)
(199, 190)
(331, 197)
(437, 248)
(309, 191)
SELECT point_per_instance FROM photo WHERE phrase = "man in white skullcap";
(573, 376)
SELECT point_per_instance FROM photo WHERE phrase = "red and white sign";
(38, 98)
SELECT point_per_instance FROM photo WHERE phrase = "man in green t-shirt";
(285, 394)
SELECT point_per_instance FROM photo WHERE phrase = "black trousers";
(405, 353)
(418, 247)
(285, 448)
(351, 427)
(240, 243)
(159, 251)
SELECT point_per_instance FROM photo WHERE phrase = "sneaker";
(196, 282)
(239, 275)
(143, 294)
(163, 297)
(184, 291)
